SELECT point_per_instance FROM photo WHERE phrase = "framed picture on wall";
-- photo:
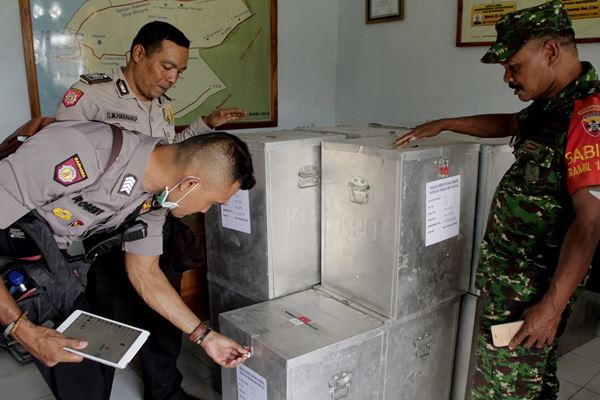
(232, 58)
(477, 19)
(384, 10)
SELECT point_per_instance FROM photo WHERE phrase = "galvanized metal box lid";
(357, 131)
(306, 346)
(285, 139)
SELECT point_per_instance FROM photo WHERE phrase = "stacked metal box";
(310, 345)
(398, 225)
(397, 229)
(402, 243)
(355, 132)
(266, 242)
(306, 346)
(495, 158)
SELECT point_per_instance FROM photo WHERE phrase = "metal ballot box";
(464, 362)
(494, 160)
(310, 345)
(305, 346)
(420, 354)
(495, 157)
(353, 132)
(419, 351)
(221, 299)
(265, 242)
(397, 229)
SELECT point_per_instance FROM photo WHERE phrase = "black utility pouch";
(51, 284)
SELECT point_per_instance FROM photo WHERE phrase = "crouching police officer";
(135, 99)
(69, 175)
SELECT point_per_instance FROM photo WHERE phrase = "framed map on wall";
(232, 63)
(477, 19)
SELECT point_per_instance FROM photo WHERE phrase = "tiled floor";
(23, 382)
(578, 371)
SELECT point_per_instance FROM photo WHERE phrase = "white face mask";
(161, 199)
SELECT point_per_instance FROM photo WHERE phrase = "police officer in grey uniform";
(134, 98)
(60, 174)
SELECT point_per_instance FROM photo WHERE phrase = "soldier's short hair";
(220, 152)
(151, 35)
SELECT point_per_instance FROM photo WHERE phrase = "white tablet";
(109, 342)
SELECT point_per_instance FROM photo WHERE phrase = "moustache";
(515, 86)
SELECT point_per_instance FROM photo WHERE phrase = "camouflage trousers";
(519, 374)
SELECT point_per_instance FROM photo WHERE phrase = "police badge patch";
(70, 171)
(71, 97)
(77, 223)
(591, 124)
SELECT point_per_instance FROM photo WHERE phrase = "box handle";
(359, 190)
(309, 176)
(339, 385)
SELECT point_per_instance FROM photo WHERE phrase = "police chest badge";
(70, 171)
(71, 97)
(62, 213)
(168, 114)
(147, 206)
(122, 87)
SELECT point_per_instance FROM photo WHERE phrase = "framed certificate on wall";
(384, 10)
(477, 19)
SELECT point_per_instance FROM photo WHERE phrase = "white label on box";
(250, 385)
(235, 214)
(442, 209)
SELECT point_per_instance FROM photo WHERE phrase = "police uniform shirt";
(56, 173)
(96, 97)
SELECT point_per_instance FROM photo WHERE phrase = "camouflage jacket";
(532, 209)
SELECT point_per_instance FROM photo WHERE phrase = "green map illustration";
(229, 64)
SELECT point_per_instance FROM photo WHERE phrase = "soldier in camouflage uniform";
(543, 226)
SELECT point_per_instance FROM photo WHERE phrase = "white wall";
(334, 69)
(307, 44)
(14, 100)
(307, 61)
(411, 71)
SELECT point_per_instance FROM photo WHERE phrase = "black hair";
(239, 161)
(151, 35)
(565, 37)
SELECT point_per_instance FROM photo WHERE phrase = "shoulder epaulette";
(97, 77)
